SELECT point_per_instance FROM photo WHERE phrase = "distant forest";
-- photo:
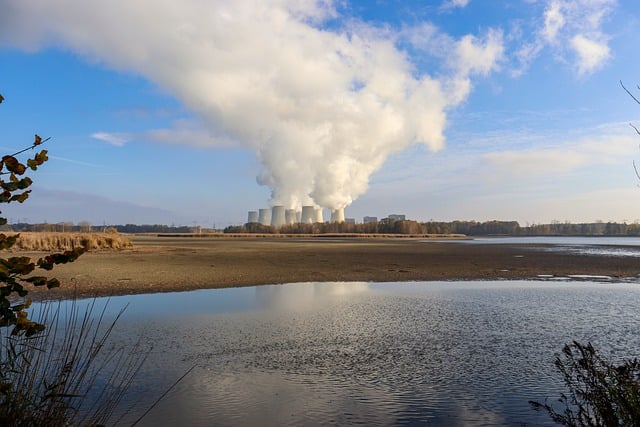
(469, 228)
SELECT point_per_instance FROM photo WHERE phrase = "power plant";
(308, 215)
(279, 216)
(290, 216)
(337, 215)
(264, 216)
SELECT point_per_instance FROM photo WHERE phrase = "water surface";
(440, 353)
(584, 245)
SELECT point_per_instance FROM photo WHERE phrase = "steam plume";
(321, 108)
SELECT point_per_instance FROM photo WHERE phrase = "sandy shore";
(163, 264)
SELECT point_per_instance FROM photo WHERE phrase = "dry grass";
(55, 241)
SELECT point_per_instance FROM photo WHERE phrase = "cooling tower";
(277, 216)
(290, 216)
(319, 216)
(264, 216)
(253, 217)
(308, 215)
(298, 217)
(337, 215)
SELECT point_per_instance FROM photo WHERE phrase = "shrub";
(600, 393)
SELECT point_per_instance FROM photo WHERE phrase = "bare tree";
(635, 167)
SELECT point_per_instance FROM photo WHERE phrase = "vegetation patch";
(53, 241)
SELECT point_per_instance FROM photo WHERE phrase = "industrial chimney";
(308, 215)
(252, 217)
(337, 215)
(277, 216)
(264, 216)
(290, 216)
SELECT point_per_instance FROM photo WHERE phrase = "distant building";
(396, 217)
(350, 220)
(368, 219)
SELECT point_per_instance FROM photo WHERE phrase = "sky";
(198, 111)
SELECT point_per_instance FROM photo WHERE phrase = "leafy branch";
(17, 273)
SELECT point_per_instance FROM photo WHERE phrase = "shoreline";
(170, 264)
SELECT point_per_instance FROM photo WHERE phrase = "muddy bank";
(163, 264)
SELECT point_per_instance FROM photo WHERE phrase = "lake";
(582, 245)
(436, 353)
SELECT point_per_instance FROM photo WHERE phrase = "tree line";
(469, 228)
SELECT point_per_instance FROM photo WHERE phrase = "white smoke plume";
(321, 107)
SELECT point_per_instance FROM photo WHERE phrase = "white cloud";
(563, 157)
(591, 54)
(187, 133)
(573, 31)
(451, 4)
(465, 57)
(479, 56)
(553, 21)
(116, 139)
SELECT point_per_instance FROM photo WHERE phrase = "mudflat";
(165, 264)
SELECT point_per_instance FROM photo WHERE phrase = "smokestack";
(319, 215)
(308, 215)
(264, 216)
(252, 217)
(337, 215)
(277, 216)
(290, 216)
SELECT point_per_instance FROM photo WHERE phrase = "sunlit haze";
(199, 111)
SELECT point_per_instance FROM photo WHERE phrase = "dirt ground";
(164, 264)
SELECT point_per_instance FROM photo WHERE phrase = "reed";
(59, 241)
(69, 374)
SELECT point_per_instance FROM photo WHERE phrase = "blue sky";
(198, 111)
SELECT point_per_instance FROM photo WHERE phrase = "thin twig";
(630, 94)
(35, 145)
(163, 395)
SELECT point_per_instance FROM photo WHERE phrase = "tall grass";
(67, 374)
(54, 241)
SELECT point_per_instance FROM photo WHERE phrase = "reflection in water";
(442, 353)
(301, 297)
